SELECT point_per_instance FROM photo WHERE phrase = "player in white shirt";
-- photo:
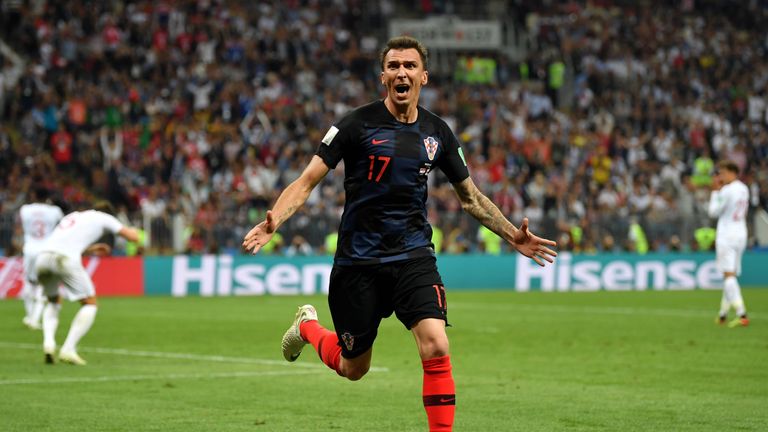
(60, 262)
(37, 219)
(729, 203)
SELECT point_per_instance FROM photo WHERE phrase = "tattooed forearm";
(483, 209)
(289, 202)
(287, 213)
(489, 215)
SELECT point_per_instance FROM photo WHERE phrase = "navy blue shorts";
(361, 296)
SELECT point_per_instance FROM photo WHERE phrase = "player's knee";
(354, 370)
(88, 301)
(355, 373)
(433, 348)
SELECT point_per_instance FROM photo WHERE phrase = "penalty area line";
(181, 356)
(98, 379)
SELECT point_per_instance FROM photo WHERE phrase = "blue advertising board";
(225, 275)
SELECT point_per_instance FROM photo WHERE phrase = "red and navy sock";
(439, 393)
(326, 343)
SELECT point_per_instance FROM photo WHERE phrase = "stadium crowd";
(190, 116)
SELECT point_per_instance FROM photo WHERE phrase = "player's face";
(403, 76)
(725, 176)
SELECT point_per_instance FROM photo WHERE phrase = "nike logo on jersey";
(375, 141)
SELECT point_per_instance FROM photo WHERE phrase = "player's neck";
(403, 114)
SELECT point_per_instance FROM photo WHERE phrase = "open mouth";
(402, 88)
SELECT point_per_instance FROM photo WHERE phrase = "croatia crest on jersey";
(431, 145)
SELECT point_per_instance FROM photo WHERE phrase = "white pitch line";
(98, 379)
(182, 356)
(596, 310)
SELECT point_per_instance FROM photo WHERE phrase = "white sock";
(725, 302)
(28, 296)
(724, 306)
(29, 306)
(80, 326)
(734, 291)
(37, 308)
(50, 324)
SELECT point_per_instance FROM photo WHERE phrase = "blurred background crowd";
(601, 121)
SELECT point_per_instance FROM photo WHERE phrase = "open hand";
(532, 246)
(261, 234)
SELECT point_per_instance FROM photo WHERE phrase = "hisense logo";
(582, 273)
(217, 275)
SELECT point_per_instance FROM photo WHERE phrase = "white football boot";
(293, 343)
(31, 324)
(71, 358)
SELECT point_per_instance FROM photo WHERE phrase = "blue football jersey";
(386, 165)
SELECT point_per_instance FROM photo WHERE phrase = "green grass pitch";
(641, 361)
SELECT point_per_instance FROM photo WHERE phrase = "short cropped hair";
(728, 165)
(402, 43)
(104, 206)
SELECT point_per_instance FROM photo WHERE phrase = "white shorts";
(52, 268)
(29, 287)
(729, 256)
(29, 271)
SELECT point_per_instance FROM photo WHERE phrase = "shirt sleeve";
(716, 203)
(339, 137)
(111, 223)
(452, 162)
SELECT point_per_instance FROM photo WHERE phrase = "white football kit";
(37, 221)
(60, 257)
(730, 205)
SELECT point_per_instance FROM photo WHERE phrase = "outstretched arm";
(129, 233)
(98, 249)
(481, 208)
(290, 200)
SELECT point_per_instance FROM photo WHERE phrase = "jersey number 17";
(371, 167)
